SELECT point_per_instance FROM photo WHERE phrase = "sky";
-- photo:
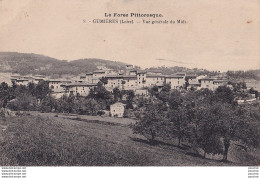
(219, 34)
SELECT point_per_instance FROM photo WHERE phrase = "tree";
(48, 104)
(117, 94)
(6, 94)
(224, 94)
(177, 126)
(175, 99)
(151, 123)
(42, 90)
(103, 80)
(101, 92)
(92, 107)
(234, 125)
(154, 91)
(203, 132)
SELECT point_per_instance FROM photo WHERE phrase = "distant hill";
(28, 63)
(175, 69)
(241, 75)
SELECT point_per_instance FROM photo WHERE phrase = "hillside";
(25, 63)
(37, 139)
(29, 63)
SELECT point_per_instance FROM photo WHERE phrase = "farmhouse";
(117, 109)
(55, 85)
(175, 81)
(212, 83)
(154, 79)
(141, 79)
(78, 88)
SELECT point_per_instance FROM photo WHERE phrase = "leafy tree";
(166, 87)
(117, 94)
(150, 124)
(6, 94)
(42, 90)
(154, 91)
(104, 80)
(203, 132)
(234, 125)
(101, 92)
(175, 99)
(48, 104)
(24, 102)
(224, 94)
(178, 123)
(92, 107)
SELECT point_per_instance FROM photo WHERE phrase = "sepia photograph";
(129, 83)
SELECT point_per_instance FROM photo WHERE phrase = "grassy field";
(48, 140)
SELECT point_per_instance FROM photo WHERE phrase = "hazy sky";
(219, 35)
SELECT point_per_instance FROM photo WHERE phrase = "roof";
(129, 76)
(141, 71)
(181, 73)
(154, 71)
(194, 82)
(153, 75)
(217, 79)
(173, 76)
(22, 80)
(79, 84)
(220, 81)
(58, 80)
(208, 78)
(121, 76)
(99, 71)
(191, 76)
(118, 103)
(133, 70)
(114, 76)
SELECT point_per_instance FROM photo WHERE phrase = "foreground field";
(47, 140)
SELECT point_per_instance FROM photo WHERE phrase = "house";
(141, 93)
(129, 82)
(212, 83)
(55, 85)
(114, 81)
(193, 84)
(88, 78)
(175, 81)
(141, 79)
(154, 79)
(117, 109)
(81, 89)
(97, 75)
(25, 80)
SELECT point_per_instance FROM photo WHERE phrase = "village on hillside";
(136, 80)
(213, 116)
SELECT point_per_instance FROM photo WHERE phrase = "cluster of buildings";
(128, 79)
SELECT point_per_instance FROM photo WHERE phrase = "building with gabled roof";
(212, 83)
(175, 81)
(76, 88)
(117, 109)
